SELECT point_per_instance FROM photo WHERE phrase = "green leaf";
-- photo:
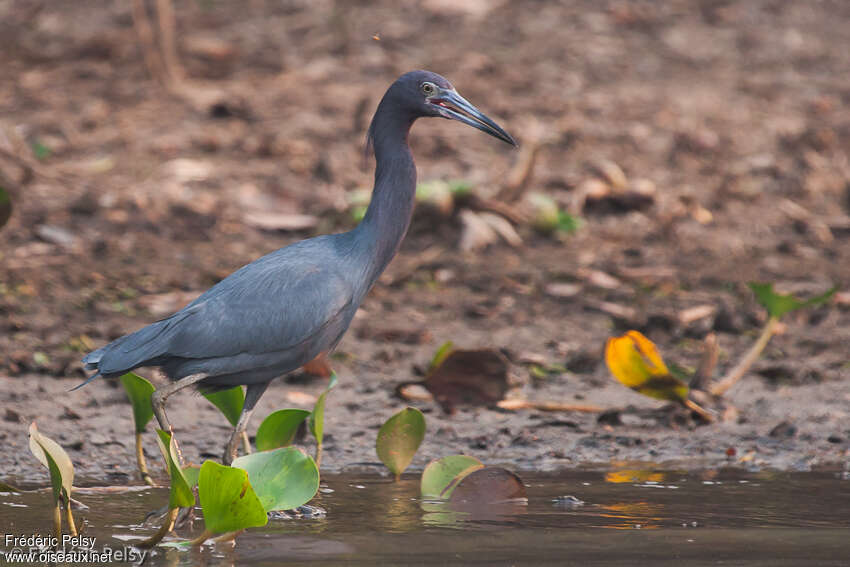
(279, 428)
(778, 304)
(180, 495)
(228, 500)
(284, 478)
(399, 438)
(54, 457)
(440, 356)
(229, 402)
(40, 151)
(139, 391)
(441, 476)
(5, 206)
(190, 473)
(568, 223)
(316, 422)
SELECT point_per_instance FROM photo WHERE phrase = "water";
(629, 517)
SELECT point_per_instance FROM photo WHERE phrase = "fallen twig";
(515, 404)
(770, 329)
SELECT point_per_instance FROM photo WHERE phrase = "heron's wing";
(271, 308)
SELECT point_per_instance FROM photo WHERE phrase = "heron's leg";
(158, 402)
(252, 396)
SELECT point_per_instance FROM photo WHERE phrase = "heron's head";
(423, 94)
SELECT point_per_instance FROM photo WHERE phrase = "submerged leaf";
(180, 495)
(489, 485)
(229, 402)
(284, 478)
(635, 362)
(441, 476)
(778, 304)
(399, 438)
(228, 500)
(279, 428)
(139, 392)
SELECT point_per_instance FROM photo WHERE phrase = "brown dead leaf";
(469, 377)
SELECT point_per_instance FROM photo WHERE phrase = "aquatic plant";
(441, 476)
(316, 423)
(279, 428)
(230, 402)
(399, 439)
(283, 478)
(180, 493)
(139, 392)
(56, 460)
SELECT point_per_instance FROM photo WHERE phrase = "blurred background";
(670, 152)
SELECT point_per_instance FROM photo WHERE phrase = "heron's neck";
(388, 216)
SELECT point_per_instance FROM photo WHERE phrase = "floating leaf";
(279, 428)
(180, 495)
(399, 438)
(778, 304)
(441, 476)
(489, 485)
(139, 391)
(229, 402)
(316, 423)
(5, 206)
(284, 478)
(635, 362)
(228, 501)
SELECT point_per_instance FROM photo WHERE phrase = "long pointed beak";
(451, 105)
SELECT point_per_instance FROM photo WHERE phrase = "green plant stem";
(140, 461)
(199, 541)
(318, 455)
(246, 443)
(163, 530)
(752, 355)
(57, 521)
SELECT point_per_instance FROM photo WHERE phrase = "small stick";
(752, 355)
(547, 406)
(695, 407)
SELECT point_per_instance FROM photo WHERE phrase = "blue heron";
(288, 307)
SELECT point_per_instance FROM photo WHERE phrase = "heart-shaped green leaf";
(284, 478)
(399, 438)
(778, 304)
(180, 495)
(228, 500)
(54, 457)
(229, 402)
(279, 428)
(441, 476)
(139, 391)
(191, 473)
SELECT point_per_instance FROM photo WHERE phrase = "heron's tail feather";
(81, 384)
(130, 351)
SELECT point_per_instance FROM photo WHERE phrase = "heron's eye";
(429, 89)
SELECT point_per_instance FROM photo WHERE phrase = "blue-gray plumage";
(286, 308)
